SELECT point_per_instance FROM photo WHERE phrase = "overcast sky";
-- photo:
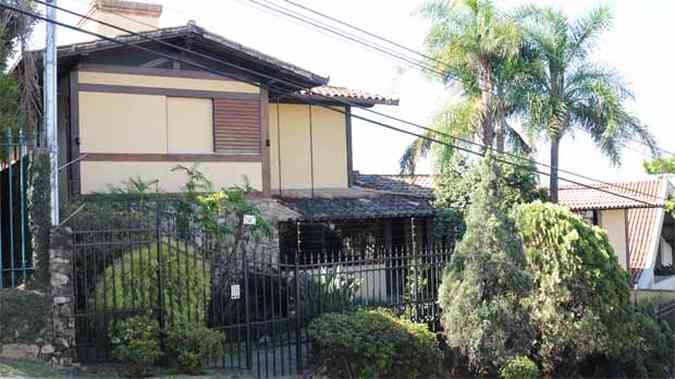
(638, 46)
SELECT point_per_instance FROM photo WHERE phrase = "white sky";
(637, 46)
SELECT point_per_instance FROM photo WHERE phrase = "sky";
(637, 46)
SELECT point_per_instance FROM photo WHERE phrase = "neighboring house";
(125, 113)
(640, 231)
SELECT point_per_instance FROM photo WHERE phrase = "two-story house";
(251, 119)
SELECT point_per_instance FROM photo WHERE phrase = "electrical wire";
(604, 183)
(297, 96)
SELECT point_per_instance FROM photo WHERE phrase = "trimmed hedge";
(132, 283)
(373, 343)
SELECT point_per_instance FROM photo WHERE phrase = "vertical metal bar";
(160, 284)
(298, 302)
(22, 191)
(247, 314)
(10, 176)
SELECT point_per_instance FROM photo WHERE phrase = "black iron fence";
(261, 299)
(16, 258)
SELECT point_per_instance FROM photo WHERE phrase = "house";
(640, 231)
(276, 127)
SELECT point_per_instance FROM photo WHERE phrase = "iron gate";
(261, 300)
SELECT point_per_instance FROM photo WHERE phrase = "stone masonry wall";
(37, 325)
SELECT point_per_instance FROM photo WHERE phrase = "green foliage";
(210, 210)
(458, 179)
(16, 327)
(520, 367)
(662, 166)
(132, 282)
(484, 287)
(136, 343)
(652, 354)
(373, 344)
(331, 290)
(191, 344)
(39, 220)
(580, 303)
(448, 225)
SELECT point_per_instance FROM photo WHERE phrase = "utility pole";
(49, 109)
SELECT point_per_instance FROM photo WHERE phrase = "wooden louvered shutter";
(237, 126)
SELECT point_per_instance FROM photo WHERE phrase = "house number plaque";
(235, 292)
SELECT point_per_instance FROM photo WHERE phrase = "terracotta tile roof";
(637, 194)
(356, 96)
(643, 219)
(413, 185)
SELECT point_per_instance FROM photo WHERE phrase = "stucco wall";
(124, 123)
(613, 221)
(166, 82)
(97, 176)
(329, 138)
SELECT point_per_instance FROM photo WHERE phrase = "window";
(590, 216)
(189, 125)
(237, 126)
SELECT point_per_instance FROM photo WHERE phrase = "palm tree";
(475, 45)
(568, 91)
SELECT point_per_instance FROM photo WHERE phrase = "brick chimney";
(130, 15)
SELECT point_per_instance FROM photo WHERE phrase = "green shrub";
(581, 299)
(191, 344)
(652, 355)
(520, 367)
(136, 343)
(485, 286)
(132, 282)
(373, 343)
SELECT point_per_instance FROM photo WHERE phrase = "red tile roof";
(633, 195)
(643, 213)
(347, 94)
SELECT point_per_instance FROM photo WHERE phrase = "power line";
(382, 114)
(295, 15)
(298, 96)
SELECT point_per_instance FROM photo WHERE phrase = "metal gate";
(145, 261)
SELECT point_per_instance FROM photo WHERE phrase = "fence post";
(298, 302)
(160, 282)
(247, 311)
(62, 293)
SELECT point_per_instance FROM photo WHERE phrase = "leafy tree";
(457, 180)
(484, 287)
(662, 166)
(478, 46)
(568, 90)
(580, 301)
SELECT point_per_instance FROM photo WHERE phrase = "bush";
(485, 316)
(520, 367)
(373, 343)
(132, 282)
(191, 344)
(652, 355)
(136, 343)
(581, 299)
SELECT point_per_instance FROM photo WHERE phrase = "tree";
(476, 45)
(483, 290)
(580, 300)
(662, 166)
(568, 90)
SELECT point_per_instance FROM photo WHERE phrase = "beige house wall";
(152, 81)
(614, 222)
(289, 135)
(99, 176)
(123, 123)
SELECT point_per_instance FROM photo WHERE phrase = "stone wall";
(39, 325)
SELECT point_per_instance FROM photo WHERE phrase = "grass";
(33, 369)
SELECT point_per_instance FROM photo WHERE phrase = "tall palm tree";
(569, 91)
(473, 44)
